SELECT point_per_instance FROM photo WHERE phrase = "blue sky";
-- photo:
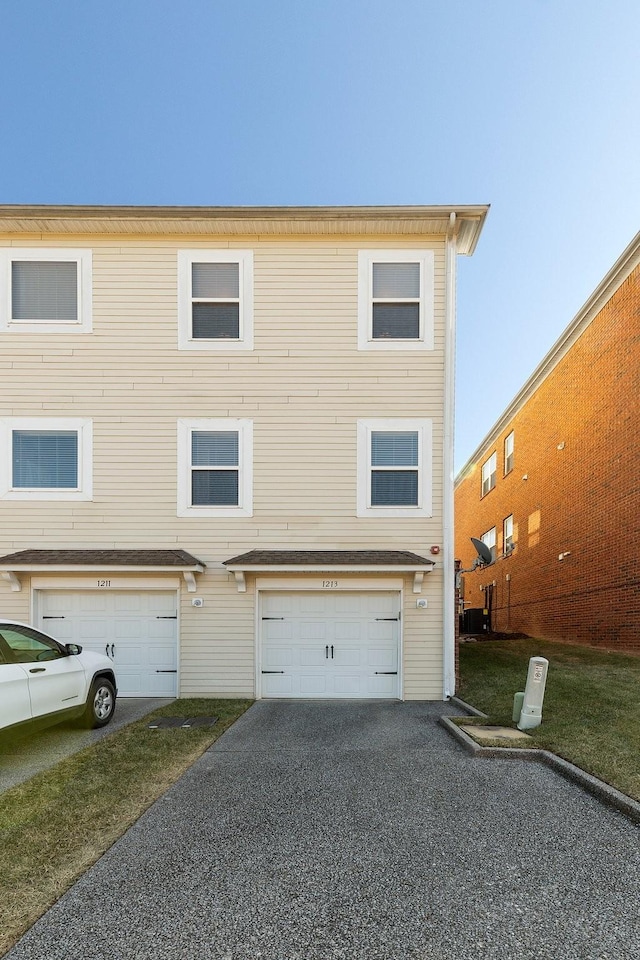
(529, 105)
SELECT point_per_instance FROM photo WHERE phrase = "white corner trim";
(449, 641)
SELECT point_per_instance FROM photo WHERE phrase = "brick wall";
(577, 441)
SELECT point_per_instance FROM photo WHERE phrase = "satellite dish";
(484, 552)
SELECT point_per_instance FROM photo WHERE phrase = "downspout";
(449, 677)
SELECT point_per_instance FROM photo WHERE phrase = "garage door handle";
(174, 617)
(273, 618)
(388, 619)
(166, 671)
(52, 617)
(38, 670)
(113, 650)
(273, 671)
(386, 673)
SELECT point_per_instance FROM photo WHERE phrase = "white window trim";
(366, 259)
(245, 477)
(84, 429)
(424, 429)
(84, 260)
(244, 259)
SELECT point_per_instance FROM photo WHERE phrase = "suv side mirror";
(72, 649)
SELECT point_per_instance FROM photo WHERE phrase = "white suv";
(45, 681)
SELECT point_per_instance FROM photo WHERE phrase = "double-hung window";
(215, 299)
(46, 459)
(489, 469)
(507, 535)
(489, 538)
(508, 453)
(215, 468)
(45, 290)
(394, 468)
(395, 300)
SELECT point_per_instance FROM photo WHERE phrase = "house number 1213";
(329, 584)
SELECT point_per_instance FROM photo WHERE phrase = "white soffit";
(413, 221)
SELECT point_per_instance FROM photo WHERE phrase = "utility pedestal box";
(527, 707)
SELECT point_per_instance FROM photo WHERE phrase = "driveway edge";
(598, 788)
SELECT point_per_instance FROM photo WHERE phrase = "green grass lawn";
(54, 826)
(591, 712)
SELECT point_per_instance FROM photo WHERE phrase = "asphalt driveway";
(313, 831)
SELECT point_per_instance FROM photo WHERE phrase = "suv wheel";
(101, 703)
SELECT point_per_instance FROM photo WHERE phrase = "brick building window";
(508, 453)
(489, 538)
(489, 474)
(507, 535)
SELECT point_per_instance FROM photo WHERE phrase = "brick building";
(554, 488)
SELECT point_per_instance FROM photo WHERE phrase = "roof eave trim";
(418, 570)
(188, 571)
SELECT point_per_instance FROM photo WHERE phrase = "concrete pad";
(483, 733)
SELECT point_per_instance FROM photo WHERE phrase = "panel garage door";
(330, 645)
(137, 630)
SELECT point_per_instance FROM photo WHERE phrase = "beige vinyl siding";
(304, 386)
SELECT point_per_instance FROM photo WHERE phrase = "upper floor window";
(45, 291)
(215, 468)
(508, 453)
(215, 299)
(489, 538)
(46, 459)
(507, 535)
(489, 474)
(395, 300)
(394, 468)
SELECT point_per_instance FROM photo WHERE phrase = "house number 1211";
(103, 583)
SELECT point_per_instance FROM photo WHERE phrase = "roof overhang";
(106, 561)
(319, 561)
(42, 220)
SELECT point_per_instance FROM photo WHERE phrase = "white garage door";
(137, 630)
(330, 645)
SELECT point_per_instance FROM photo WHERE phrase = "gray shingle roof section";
(356, 558)
(103, 558)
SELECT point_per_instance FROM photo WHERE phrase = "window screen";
(215, 289)
(396, 301)
(394, 473)
(42, 290)
(45, 459)
(216, 468)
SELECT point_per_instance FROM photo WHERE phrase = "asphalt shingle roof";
(98, 558)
